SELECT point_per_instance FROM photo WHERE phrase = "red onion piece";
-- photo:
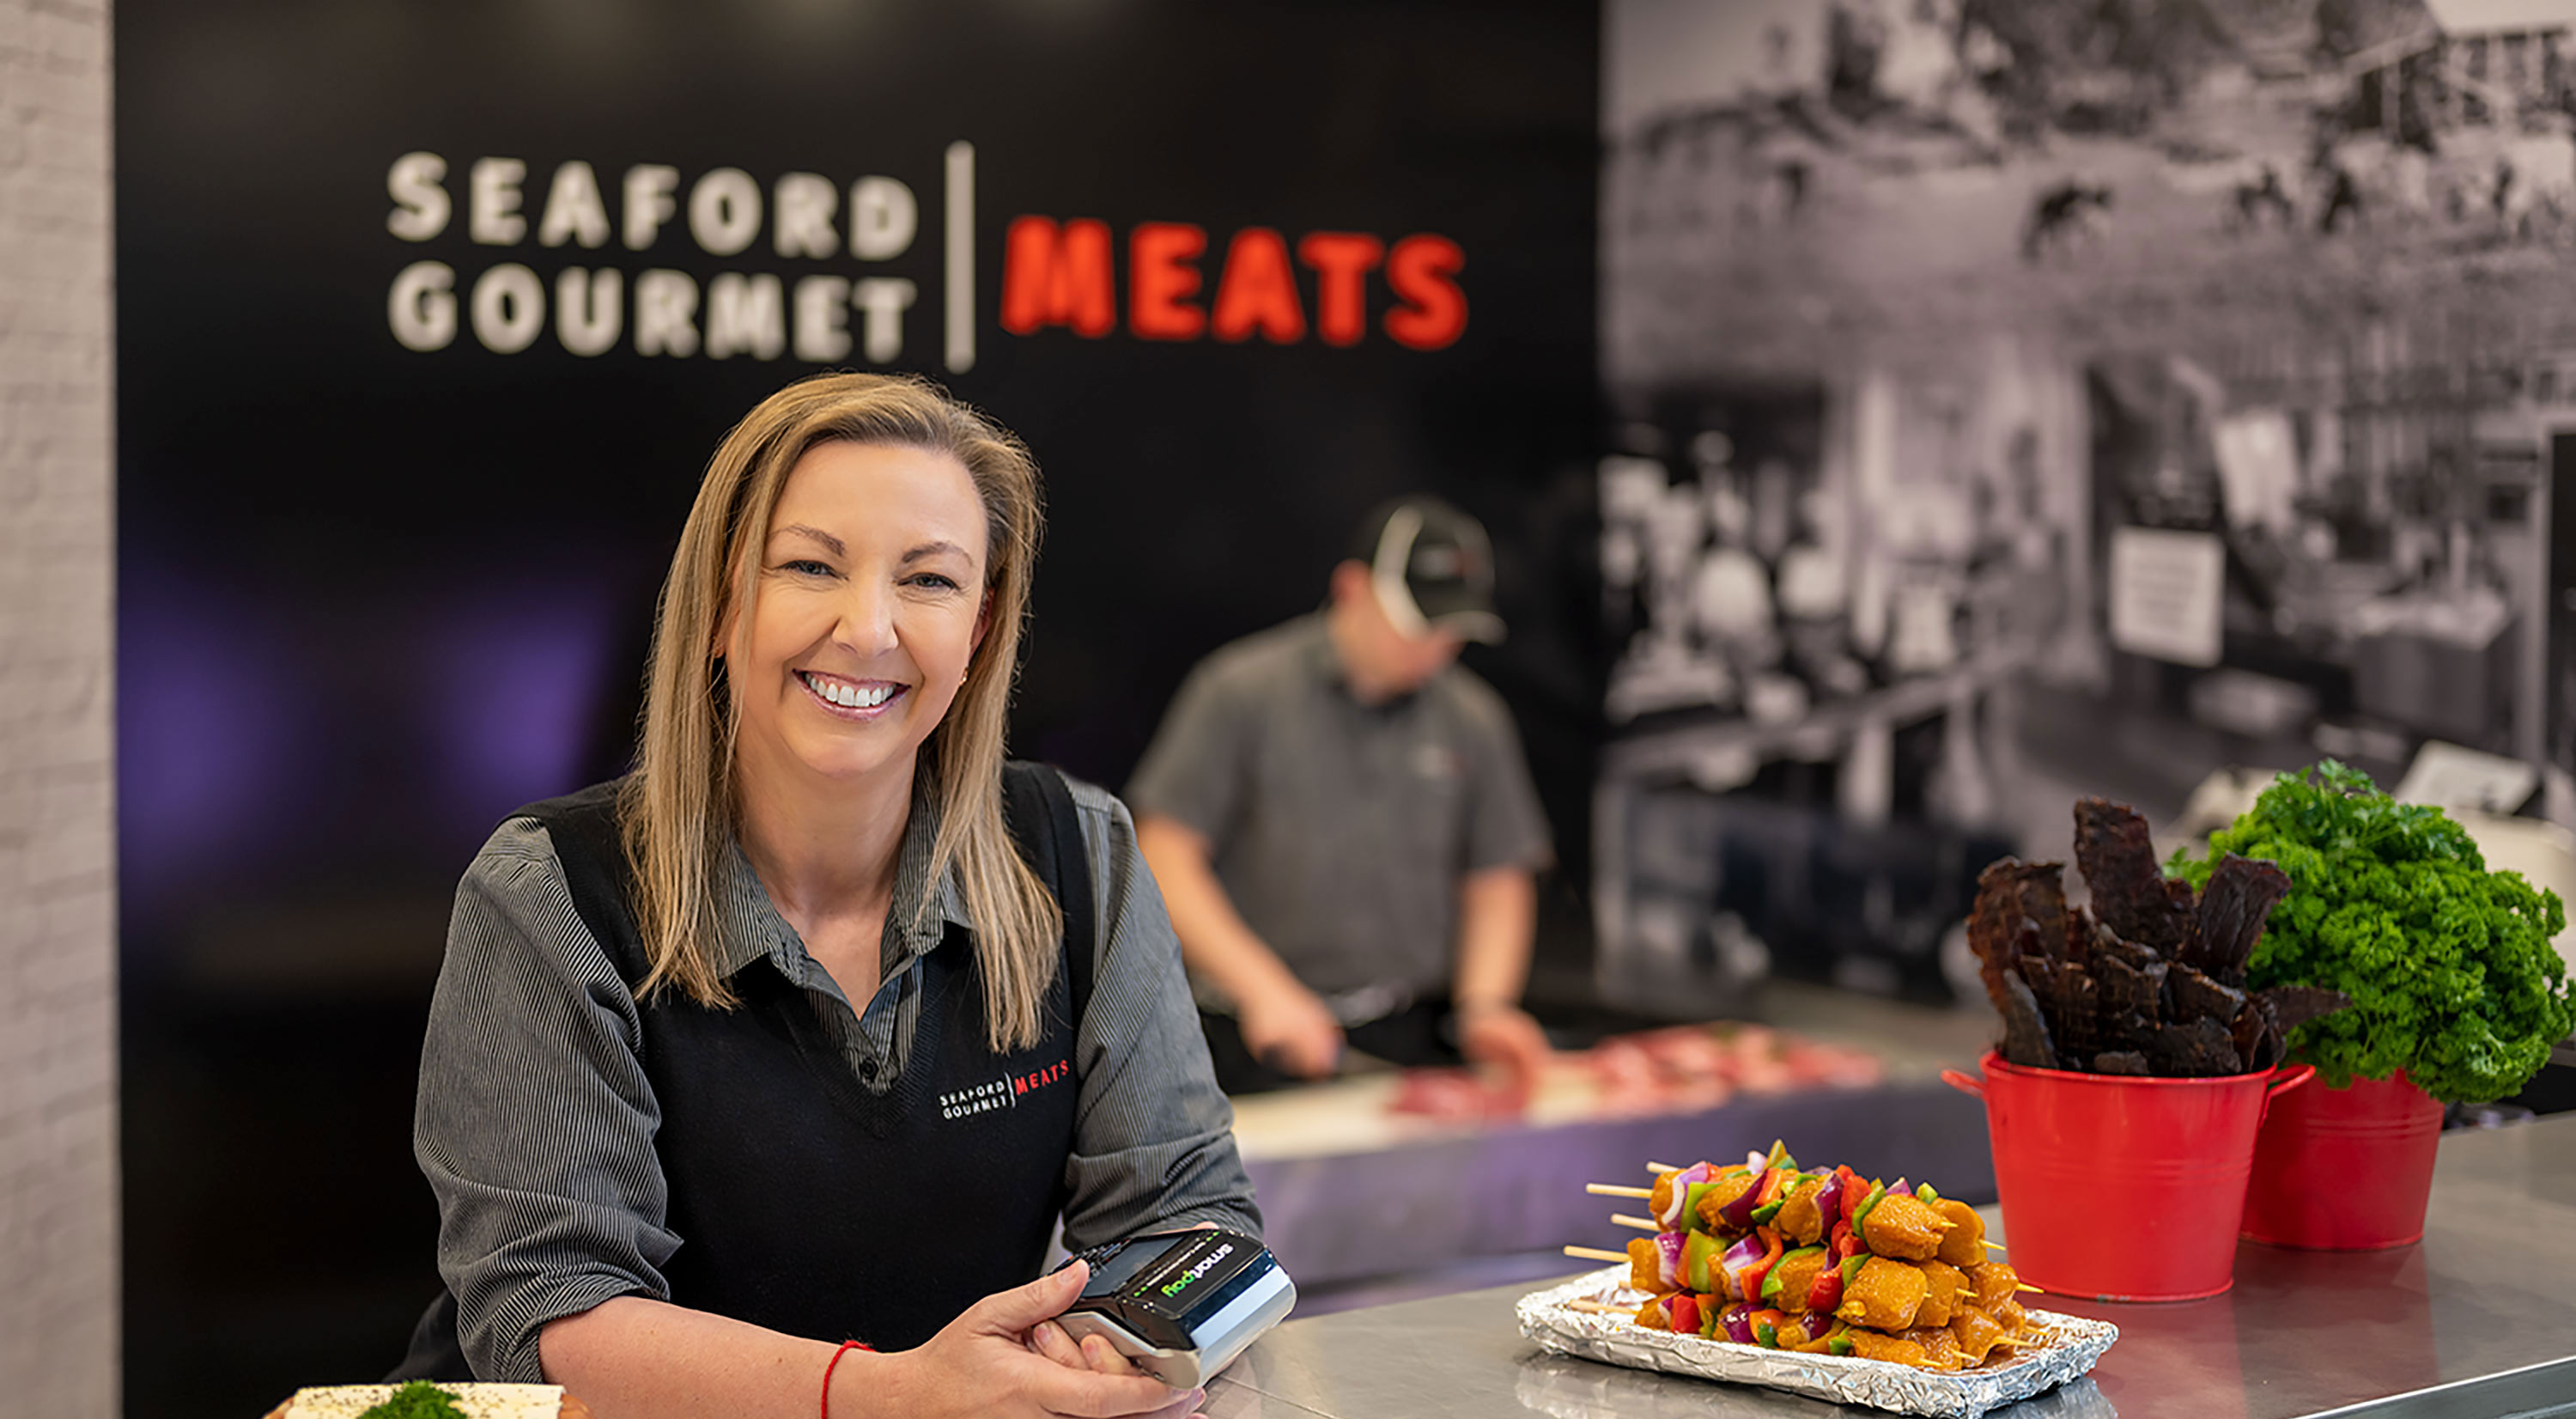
(1902, 1186)
(1739, 1213)
(1738, 1323)
(1668, 1256)
(1680, 1197)
(1829, 1202)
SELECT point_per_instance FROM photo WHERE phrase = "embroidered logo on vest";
(1002, 1093)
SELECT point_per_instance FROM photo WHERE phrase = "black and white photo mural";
(2013, 400)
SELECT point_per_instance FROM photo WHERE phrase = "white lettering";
(666, 307)
(884, 298)
(804, 223)
(422, 308)
(822, 318)
(590, 309)
(421, 205)
(509, 308)
(574, 211)
(494, 218)
(744, 317)
(883, 218)
(648, 205)
(724, 211)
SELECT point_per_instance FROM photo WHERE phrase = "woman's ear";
(983, 620)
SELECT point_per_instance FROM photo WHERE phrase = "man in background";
(1343, 828)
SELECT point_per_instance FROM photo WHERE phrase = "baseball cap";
(1432, 569)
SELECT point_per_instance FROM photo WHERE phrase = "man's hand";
(1286, 1027)
(1506, 1036)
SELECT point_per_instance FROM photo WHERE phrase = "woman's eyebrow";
(829, 542)
(932, 549)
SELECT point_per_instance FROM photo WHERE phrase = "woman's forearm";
(633, 1358)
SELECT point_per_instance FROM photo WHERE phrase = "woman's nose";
(867, 618)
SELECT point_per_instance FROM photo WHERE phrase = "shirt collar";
(753, 928)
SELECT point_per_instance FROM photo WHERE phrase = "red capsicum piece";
(1772, 1183)
(1827, 1292)
(1847, 1241)
(1683, 1311)
(1771, 1253)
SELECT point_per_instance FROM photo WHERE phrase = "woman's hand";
(989, 1362)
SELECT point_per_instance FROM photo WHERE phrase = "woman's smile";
(859, 700)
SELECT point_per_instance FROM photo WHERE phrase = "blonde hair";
(677, 811)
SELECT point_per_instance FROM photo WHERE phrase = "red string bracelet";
(846, 1347)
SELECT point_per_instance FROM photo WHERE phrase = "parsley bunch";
(2450, 967)
(418, 1400)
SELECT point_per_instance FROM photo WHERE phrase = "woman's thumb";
(1010, 1312)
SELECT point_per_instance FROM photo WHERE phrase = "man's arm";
(1497, 918)
(1284, 1024)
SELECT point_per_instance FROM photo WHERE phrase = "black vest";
(803, 1202)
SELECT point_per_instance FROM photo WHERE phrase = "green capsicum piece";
(1860, 1214)
(1839, 1344)
(1924, 1191)
(1763, 1214)
(1852, 1266)
(1767, 1336)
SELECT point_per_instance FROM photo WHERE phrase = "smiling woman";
(687, 1097)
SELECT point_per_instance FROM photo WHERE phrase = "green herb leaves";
(2450, 966)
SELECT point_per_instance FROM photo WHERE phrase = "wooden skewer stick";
(1596, 1254)
(1615, 1190)
(1654, 1167)
(1642, 1224)
(1597, 1307)
(2018, 1285)
(1995, 1246)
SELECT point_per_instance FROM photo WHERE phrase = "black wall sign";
(429, 315)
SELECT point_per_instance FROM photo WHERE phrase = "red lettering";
(1341, 262)
(1057, 278)
(1434, 313)
(1258, 291)
(1161, 280)
(1019, 1086)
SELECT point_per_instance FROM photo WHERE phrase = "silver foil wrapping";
(2074, 1343)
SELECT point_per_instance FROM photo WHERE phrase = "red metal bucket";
(2120, 1188)
(2345, 1169)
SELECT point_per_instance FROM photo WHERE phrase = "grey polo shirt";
(1342, 830)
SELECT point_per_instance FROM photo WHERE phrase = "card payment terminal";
(1181, 1304)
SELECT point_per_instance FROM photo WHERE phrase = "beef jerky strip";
(2258, 1037)
(2197, 1049)
(2118, 860)
(2010, 892)
(2072, 1002)
(2106, 942)
(2241, 893)
(2127, 990)
(2120, 1061)
(2296, 1005)
(2025, 1033)
(2191, 995)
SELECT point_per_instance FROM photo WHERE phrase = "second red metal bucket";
(2346, 1169)
(2121, 1188)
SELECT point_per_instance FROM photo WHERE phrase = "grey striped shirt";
(535, 1120)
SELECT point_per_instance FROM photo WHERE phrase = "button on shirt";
(535, 1120)
(1341, 830)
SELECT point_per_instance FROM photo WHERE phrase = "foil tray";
(2073, 1344)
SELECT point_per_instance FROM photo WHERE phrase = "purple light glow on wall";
(517, 699)
(207, 710)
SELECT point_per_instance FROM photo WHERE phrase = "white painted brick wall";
(58, 1234)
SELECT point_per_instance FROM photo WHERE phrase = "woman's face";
(867, 606)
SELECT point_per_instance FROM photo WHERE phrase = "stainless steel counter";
(2478, 1319)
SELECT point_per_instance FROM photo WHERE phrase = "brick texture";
(58, 1178)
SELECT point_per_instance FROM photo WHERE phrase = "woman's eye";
(935, 581)
(807, 566)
